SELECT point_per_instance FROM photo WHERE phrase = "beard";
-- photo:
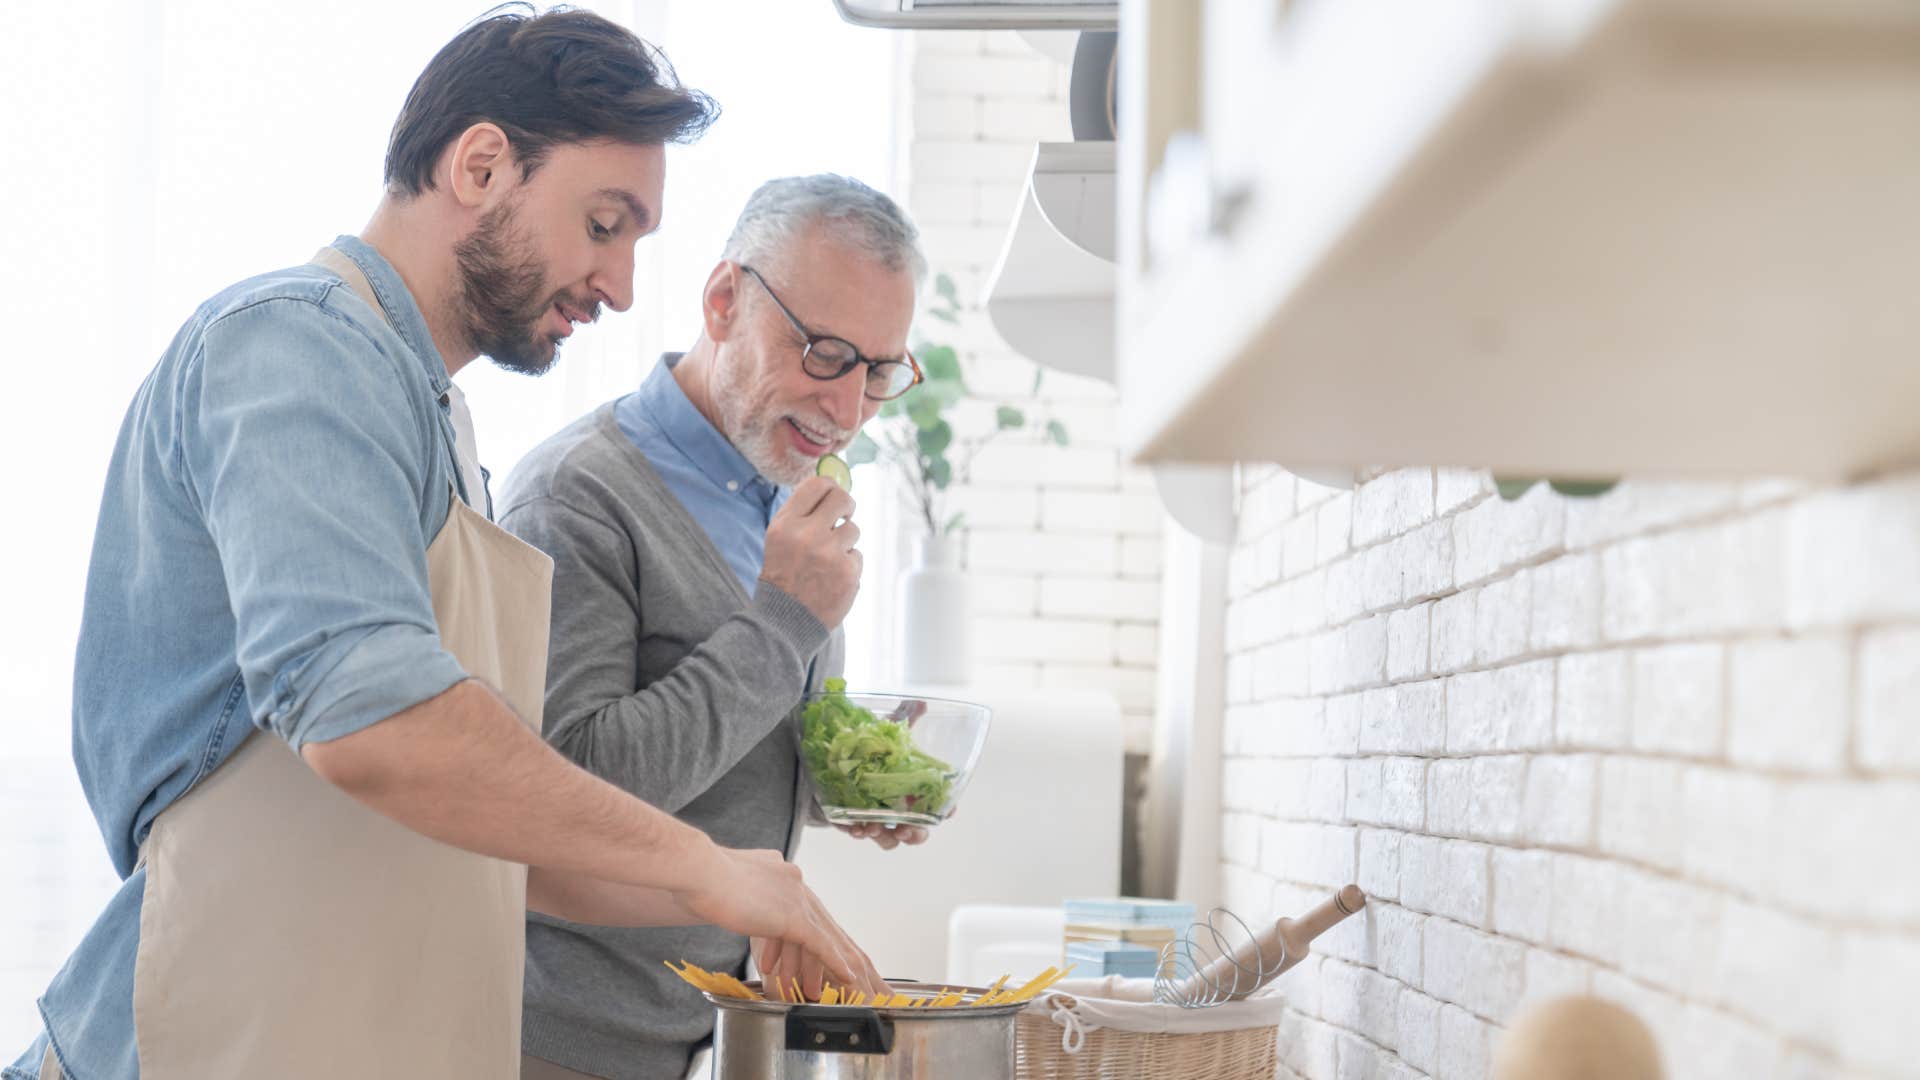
(748, 423)
(756, 424)
(503, 294)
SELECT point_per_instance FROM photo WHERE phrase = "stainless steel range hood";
(982, 14)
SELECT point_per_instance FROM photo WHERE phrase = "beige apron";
(289, 932)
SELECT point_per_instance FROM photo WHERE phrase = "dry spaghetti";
(720, 984)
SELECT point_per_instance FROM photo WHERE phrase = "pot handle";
(838, 1029)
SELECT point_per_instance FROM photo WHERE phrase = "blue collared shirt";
(728, 499)
(260, 561)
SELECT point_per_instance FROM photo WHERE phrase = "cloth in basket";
(1111, 1027)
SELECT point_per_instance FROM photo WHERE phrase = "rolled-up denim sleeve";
(308, 463)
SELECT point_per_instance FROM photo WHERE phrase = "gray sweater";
(667, 679)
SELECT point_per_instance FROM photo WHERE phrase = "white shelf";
(1578, 237)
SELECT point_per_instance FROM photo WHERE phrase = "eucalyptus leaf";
(943, 394)
(939, 473)
(1038, 374)
(924, 410)
(1057, 432)
(863, 450)
(935, 440)
(941, 363)
(943, 285)
(1007, 418)
(1582, 489)
(890, 409)
(943, 314)
(1512, 487)
(957, 522)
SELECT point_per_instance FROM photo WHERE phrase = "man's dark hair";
(561, 77)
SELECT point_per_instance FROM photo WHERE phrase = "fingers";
(845, 963)
(767, 957)
(888, 837)
(807, 495)
(813, 979)
(848, 534)
(870, 980)
(787, 974)
(779, 986)
(812, 947)
(819, 497)
(804, 976)
(849, 968)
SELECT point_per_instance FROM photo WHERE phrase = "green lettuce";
(862, 762)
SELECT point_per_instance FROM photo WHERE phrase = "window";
(158, 152)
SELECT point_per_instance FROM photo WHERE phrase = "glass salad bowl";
(889, 758)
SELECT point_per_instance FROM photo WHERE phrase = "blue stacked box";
(1092, 959)
(1130, 911)
(1121, 935)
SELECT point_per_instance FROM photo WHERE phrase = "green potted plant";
(914, 438)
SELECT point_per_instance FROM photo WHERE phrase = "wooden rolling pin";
(1231, 977)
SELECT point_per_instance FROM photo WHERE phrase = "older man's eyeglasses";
(827, 357)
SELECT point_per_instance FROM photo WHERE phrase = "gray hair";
(780, 210)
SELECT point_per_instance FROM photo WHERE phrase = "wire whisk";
(1223, 959)
(1214, 961)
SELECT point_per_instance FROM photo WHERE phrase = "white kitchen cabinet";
(1576, 237)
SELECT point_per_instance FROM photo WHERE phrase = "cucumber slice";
(836, 470)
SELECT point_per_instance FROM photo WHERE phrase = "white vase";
(933, 614)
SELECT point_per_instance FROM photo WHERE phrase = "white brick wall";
(1063, 544)
(1662, 746)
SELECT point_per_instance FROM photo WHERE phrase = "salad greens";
(862, 762)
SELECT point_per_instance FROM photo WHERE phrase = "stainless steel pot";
(771, 1040)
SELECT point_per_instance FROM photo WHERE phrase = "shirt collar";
(402, 311)
(668, 406)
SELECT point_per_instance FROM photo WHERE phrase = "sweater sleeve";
(669, 741)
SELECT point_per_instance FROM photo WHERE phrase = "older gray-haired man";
(701, 572)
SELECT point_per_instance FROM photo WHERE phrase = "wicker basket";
(1110, 1030)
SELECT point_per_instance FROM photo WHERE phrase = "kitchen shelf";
(1573, 237)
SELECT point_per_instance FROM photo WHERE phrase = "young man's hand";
(761, 895)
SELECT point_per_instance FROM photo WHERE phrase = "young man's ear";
(720, 301)
(477, 164)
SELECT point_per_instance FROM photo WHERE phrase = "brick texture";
(1063, 543)
(1660, 746)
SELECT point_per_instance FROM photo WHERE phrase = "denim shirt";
(260, 561)
(730, 500)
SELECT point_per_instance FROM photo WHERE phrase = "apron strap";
(466, 464)
(331, 258)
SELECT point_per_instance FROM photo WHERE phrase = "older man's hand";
(888, 839)
(811, 554)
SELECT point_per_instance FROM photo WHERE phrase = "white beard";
(750, 424)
